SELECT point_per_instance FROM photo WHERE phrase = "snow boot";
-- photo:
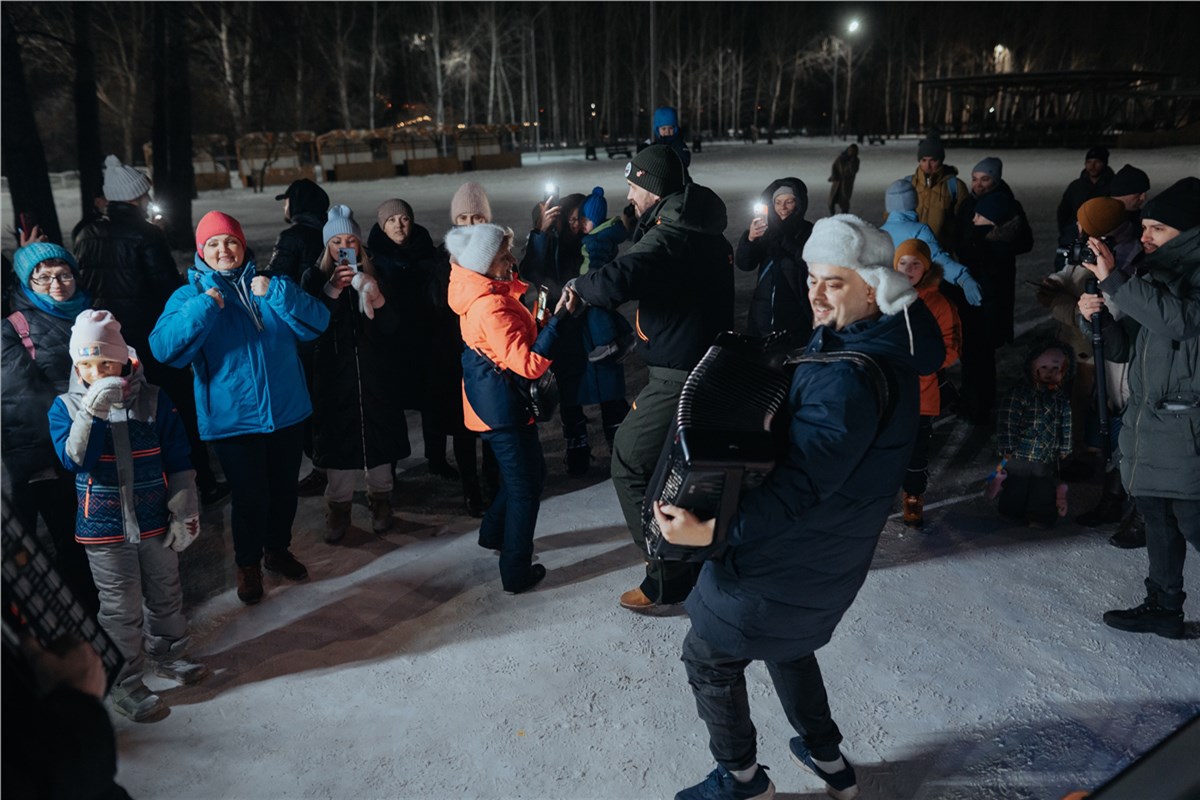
(381, 511)
(131, 698)
(249, 584)
(175, 665)
(337, 520)
(1149, 617)
(1132, 533)
(840, 785)
(914, 510)
(721, 785)
(282, 562)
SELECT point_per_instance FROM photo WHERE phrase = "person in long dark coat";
(357, 425)
(772, 245)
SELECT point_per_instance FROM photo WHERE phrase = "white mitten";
(102, 395)
(181, 532)
(369, 296)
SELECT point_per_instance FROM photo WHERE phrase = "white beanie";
(474, 247)
(848, 241)
(122, 183)
(97, 334)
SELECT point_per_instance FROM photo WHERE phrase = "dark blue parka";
(802, 543)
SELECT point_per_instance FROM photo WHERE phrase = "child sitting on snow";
(1034, 433)
(138, 505)
(606, 334)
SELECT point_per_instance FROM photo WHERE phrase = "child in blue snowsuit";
(606, 334)
(138, 505)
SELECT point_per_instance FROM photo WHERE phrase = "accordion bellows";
(721, 440)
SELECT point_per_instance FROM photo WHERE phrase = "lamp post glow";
(852, 27)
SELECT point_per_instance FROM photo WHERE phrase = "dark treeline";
(593, 69)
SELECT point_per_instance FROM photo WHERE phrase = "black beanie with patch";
(657, 169)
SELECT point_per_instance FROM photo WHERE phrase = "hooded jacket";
(497, 330)
(1160, 338)
(248, 377)
(801, 544)
(680, 270)
(158, 463)
(780, 299)
(125, 264)
(300, 245)
(939, 199)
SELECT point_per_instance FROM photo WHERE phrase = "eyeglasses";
(44, 280)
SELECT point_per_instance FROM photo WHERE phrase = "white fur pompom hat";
(848, 241)
(474, 247)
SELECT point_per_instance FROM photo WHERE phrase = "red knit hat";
(216, 223)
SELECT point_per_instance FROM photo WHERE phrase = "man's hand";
(758, 227)
(259, 285)
(1104, 259)
(1089, 304)
(682, 527)
(549, 217)
(215, 294)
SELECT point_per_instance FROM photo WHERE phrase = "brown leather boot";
(381, 511)
(914, 510)
(249, 584)
(337, 520)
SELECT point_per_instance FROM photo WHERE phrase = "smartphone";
(541, 308)
(551, 191)
(760, 210)
(349, 256)
(27, 222)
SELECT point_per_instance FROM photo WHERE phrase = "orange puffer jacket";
(497, 326)
(947, 319)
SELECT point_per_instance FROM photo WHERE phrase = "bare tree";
(228, 44)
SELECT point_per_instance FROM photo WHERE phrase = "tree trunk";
(172, 133)
(87, 112)
(20, 144)
(494, 25)
(371, 102)
(298, 104)
(775, 99)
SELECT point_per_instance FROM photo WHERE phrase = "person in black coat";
(37, 367)
(800, 545)
(1095, 180)
(125, 264)
(357, 426)
(772, 245)
(300, 245)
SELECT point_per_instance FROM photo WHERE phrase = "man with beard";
(680, 270)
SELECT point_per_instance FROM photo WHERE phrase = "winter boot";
(282, 562)
(131, 698)
(914, 510)
(337, 520)
(381, 511)
(249, 584)
(579, 455)
(1149, 617)
(1132, 533)
(174, 664)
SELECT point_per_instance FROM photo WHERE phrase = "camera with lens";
(1078, 251)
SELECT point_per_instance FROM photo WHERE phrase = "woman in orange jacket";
(500, 334)
(914, 260)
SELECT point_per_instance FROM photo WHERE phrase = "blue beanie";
(665, 115)
(901, 196)
(26, 260)
(595, 207)
(340, 221)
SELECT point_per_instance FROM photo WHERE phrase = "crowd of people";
(120, 372)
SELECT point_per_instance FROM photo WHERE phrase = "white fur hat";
(474, 247)
(847, 241)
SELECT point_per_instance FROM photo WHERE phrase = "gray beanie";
(931, 147)
(474, 247)
(901, 196)
(121, 183)
(990, 166)
(782, 191)
(340, 222)
(392, 207)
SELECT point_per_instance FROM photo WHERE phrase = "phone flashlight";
(551, 191)
(156, 212)
(760, 209)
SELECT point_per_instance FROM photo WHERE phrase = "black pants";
(916, 479)
(718, 683)
(574, 422)
(1170, 526)
(180, 387)
(262, 469)
(978, 365)
(57, 503)
(1030, 492)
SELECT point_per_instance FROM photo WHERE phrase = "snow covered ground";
(973, 665)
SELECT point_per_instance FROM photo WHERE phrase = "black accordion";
(721, 440)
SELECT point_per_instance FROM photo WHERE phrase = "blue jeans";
(509, 522)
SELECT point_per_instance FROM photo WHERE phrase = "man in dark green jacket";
(1159, 335)
(680, 270)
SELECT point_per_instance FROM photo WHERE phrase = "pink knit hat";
(216, 223)
(97, 334)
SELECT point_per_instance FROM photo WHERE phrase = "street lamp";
(852, 27)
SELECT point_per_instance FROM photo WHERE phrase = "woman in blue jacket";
(239, 331)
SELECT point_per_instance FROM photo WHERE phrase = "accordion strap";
(876, 374)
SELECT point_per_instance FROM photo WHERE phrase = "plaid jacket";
(1035, 424)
